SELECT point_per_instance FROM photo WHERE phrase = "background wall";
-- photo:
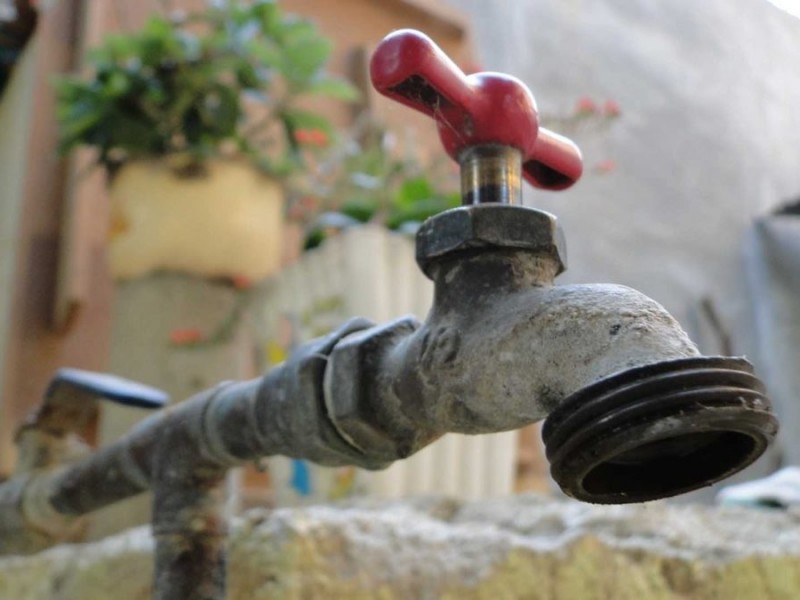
(15, 111)
(709, 138)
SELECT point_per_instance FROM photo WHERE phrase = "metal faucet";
(632, 411)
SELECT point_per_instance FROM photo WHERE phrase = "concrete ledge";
(528, 547)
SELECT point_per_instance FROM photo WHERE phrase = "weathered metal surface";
(189, 524)
(49, 443)
(368, 422)
(50, 435)
(660, 429)
(501, 348)
(490, 226)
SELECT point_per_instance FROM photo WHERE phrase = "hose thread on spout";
(659, 430)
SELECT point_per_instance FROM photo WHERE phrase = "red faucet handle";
(469, 110)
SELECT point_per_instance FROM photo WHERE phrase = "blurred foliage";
(224, 80)
(367, 177)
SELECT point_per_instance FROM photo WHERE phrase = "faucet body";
(501, 348)
(633, 412)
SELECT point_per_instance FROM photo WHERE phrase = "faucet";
(632, 412)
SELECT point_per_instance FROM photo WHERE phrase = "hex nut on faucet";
(362, 422)
(486, 225)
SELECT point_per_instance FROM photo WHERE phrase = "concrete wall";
(708, 139)
(709, 136)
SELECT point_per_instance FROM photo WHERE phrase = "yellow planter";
(225, 222)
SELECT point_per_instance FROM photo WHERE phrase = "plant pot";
(224, 221)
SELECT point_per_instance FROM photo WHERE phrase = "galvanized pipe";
(183, 453)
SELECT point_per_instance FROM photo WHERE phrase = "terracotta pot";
(225, 221)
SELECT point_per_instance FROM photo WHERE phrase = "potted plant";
(367, 178)
(197, 119)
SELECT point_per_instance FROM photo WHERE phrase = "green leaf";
(116, 84)
(247, 76)
(158, 27)
(79, 119)
(413, 191)
(180, 86)
(265, 53)
(132, 133)
(418, 211)
(333, 88)
(362, 209)
(303, 59)
(220, 111)
(302, 119)
(294, 30)
(268, 14)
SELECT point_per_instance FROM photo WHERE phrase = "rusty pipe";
(182, 453)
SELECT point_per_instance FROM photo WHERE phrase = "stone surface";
(528, 547)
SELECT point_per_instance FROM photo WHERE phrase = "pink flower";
(185, 337)
(311, 137)
(605, 166)
(303, 208)
(241, 282)
(611, 108)
(585, 106)
(296, 213)
(309, 202)
(471, 67)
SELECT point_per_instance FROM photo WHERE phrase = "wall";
(15, 115)
(33, 349)
(709, 137)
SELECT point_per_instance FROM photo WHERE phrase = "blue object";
(111, 387)
(301, 477)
